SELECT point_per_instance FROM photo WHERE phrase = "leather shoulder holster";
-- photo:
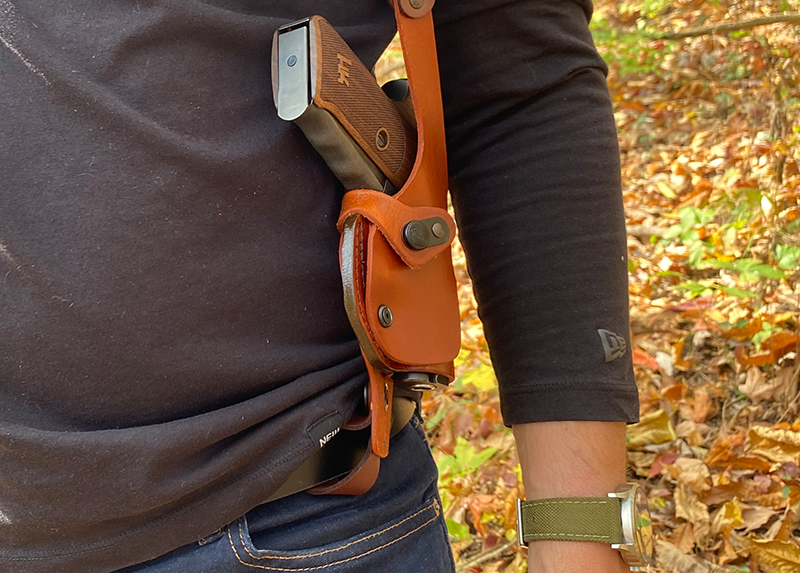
(401, 295)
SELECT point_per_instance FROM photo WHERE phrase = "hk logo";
(614, 345)
(344, 71)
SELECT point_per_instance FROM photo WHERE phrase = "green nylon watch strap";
(572, 519)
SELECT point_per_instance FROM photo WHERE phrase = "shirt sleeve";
(535, 182)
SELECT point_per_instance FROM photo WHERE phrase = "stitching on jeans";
(304, 556)
(318, 567)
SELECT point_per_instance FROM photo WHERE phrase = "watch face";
(642, 526)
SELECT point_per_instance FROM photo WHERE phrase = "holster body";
(402, 301)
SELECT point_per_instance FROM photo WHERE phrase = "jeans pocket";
(416, 542)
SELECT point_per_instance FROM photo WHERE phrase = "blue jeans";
(396, 527)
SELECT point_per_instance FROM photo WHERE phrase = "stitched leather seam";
(361, 300)
(304, 556)
(317, 568)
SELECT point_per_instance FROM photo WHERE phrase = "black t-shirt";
(171, 318)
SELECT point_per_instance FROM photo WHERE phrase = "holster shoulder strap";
(395, 250)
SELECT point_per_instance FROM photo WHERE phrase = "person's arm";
(535, 182)
(572, 459)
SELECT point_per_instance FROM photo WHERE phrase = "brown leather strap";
(427, 184)
(358, 481)
(390, 216)
(425, 191)
(363, 476)
(380, 400)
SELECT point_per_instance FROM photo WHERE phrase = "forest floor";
(708, 129)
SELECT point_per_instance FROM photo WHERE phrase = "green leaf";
(447, 465)
(787, 256)
(457, 530)
(482, 378)
(738, 292)
(434, 420)
(694, 288)
(768, 272)
(666, 190)
(468, 459)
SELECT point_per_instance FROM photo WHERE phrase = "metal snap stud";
(385, 316)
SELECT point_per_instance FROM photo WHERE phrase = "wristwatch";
(622, 519)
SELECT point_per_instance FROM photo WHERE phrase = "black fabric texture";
(535, 183)
(171, 318)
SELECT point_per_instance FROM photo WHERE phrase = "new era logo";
(613, 344)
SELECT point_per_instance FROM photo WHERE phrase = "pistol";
(366, 134)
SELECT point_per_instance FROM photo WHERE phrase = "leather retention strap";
(391, 216)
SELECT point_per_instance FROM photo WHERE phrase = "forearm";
(572, 459)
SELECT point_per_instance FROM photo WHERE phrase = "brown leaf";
(675, 392)
(701, 406)
(642, 358)
(746, 332)
(773, 556)
(774, 347)
(641, 462)
(727, 518)
(662, 461)
(673, 560)
(691, 473)
(693, 433)
(723, 449)
(777, 445)
(745, 359)
(683, 537)
(780, 343)
(689, 507)
(755, 517)
(723, 454)
(755, 386)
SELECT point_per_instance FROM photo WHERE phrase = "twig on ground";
(725, 27)
(645, 230)
(489, 555)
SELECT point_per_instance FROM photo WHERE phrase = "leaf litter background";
(708, 128)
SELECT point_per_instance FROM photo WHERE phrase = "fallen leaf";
(746, 331)
(661, 462)
(780, 343)
(701, 405)
(723, 454)
(683, 537)
(755, 517)
(727, 518)
(773, 556)
(756, 387)
(653, 428)
(689, 507)
(777, 445)
(693, 433)
(691, 473)
(675, 392)
(642, 358)
(641, 462)
(673, 560)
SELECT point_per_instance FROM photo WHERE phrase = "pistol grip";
(347, 89)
